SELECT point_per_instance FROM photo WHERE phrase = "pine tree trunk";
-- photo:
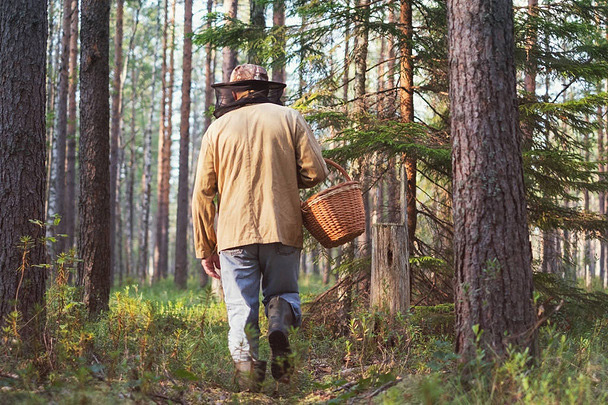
(257, 17)
(70, 171)
(167, 149)
(390, 82)
(550, 262)
(131, 181)
(22, 171)
(380, 97)
(94, 271)
(50, 72)
(62, 123)
(209, 79)
(278, 22)
(327, 267)
(530, 73)
(120, 247)
(229, 54)
(115, 136)
(161, 260)
(588, 260)
(569, 270)
(181, 248)
(345, 76)
(142, 262)
(392, 177)
(303, 269)
(587, 246)
(360, 56)
(360, 51)
(601, 194)
(492, 254)
(406, 96)
(130, 261)
(605, 170)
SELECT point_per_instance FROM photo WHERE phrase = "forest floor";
(161, 345)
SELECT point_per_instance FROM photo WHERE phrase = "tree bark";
(50, 72)
(551, 258)
(492, 249)
(164, 264)
(229, 54)
(604, 170)
(115, 136)
(380, 96)
(327, 267)
(181, 236)
(588, 262)
(131, 180)
(601, 194)
(209, 79)
(532, 38)
(390, 82)
(345, 76)
(22, 169)
(360, 51)
(62, 122)
(406, 96)
(147, 172)
(257, 17)
(161, 252)
(278, 22)
(94, 271)
(70, 170)
(360, 56)
(390, 282)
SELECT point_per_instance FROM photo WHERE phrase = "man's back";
(259, 155)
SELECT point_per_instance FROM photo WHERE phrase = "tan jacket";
(255, 159)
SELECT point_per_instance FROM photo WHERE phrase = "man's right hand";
(210, 264)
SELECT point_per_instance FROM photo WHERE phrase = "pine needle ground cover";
(161, 345)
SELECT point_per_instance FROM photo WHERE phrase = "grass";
(161, 345)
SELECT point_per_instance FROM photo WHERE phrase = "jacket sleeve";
(203, 207)
(311, 166)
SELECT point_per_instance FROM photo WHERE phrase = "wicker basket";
(336, 215)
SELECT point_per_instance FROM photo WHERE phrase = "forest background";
(372, 78)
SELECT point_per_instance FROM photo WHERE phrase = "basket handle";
(338, 168)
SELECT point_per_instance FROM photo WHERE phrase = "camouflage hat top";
(248, 71)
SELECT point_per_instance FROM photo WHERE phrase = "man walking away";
(254, 158)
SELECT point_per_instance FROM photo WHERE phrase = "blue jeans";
(242, 268)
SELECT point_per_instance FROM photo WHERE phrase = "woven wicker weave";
(336, 215)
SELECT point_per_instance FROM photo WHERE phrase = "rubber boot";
(249, 375)
(280, 319)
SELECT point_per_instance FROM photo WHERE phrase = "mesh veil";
(258, 91)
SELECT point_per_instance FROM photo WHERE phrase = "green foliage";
(159, 342)
(570, 369)
(577, 308)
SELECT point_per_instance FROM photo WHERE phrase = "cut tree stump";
(390, 283)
